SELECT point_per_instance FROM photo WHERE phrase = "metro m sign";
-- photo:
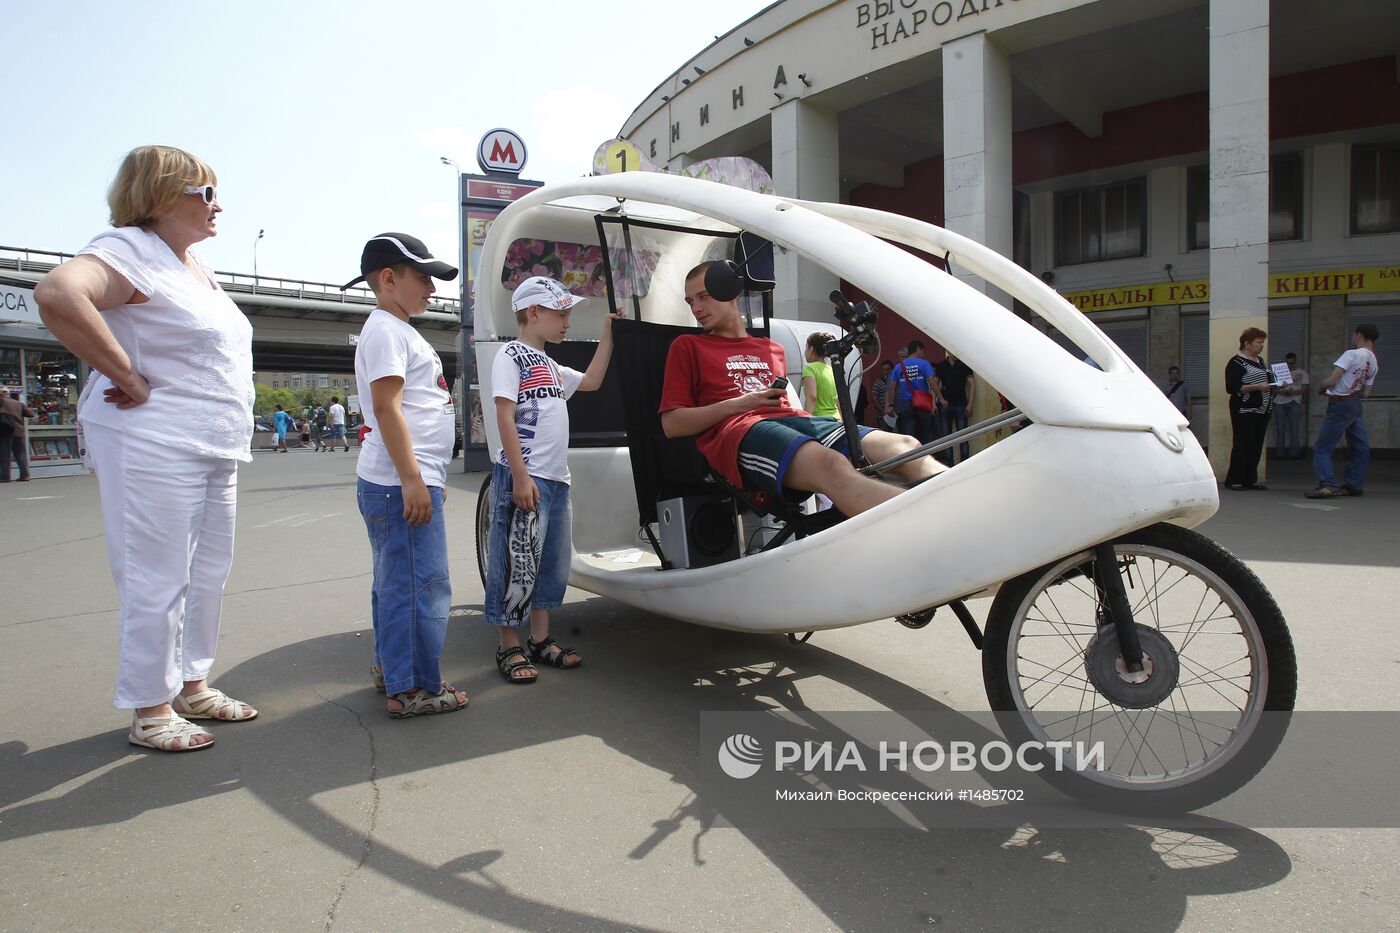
(501, 150)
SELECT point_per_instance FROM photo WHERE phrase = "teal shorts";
(768, 448)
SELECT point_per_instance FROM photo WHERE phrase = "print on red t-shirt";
(703, 369)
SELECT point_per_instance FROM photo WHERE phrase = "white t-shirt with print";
(391, 347)
(337, 410)
(540, 389)
(1359, 369)
(190, 342)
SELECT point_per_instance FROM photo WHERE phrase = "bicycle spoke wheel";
(1191, 727)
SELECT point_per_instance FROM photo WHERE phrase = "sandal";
(376, 674)
(422, 703)
(559, 657)
(508, 668)
(212, 704)
(167, 734)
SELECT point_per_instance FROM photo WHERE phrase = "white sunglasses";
(208, 192)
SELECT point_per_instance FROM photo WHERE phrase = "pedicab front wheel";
(483, 525)
(1204, 713)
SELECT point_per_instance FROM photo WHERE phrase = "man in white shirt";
(337, 416)
(1352, 377)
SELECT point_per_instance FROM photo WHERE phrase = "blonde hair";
(151, 181)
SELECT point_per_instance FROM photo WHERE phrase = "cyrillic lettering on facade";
(736, 98)
(780, 78)
(704, 114)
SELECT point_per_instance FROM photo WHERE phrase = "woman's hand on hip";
(135, 391)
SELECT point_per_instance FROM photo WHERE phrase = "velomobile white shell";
(1107, 452)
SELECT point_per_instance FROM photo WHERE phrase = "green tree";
(266, 399)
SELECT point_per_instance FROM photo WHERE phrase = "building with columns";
(1179, 169)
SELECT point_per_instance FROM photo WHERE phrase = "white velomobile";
(1111, 621)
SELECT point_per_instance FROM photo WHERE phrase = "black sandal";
(507, 667)
(540, 652)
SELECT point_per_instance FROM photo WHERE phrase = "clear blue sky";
(324, 120)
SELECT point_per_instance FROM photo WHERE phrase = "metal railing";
(20, 259)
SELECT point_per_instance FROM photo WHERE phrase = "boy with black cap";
(402, 473)
(530, 544)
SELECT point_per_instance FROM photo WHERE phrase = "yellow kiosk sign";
(1281, 285)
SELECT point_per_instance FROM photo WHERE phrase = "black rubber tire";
(1262, 631)
(483, 525)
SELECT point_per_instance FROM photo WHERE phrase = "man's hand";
(135, 392)
(417, 502)
(525, 493)
(763, 398)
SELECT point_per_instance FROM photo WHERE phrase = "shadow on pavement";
(644, 682)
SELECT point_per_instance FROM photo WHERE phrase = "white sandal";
(167, 734)
(212, 704)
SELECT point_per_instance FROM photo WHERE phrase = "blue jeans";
(955, 419)
(1286, 433)
(412, 592)
(1344, 417)
(556, 530)
(917, 424)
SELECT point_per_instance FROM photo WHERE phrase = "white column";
(1239, 194)
(806, 164)
(977, 161)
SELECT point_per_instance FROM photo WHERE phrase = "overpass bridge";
(298, 326)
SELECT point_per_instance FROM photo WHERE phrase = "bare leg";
(881, 445)
(822, 470)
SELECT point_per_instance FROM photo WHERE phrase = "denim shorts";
(411, 595)
(338, 431)
(556, 530)
(768, 448)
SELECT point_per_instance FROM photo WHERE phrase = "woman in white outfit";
(167, 346)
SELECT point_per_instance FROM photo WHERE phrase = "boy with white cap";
(530, 545)
(402, 473)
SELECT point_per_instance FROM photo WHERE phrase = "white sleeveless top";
(191, 343)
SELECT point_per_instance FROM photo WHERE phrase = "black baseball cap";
(391, 249)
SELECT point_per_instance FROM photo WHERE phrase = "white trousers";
(168, 515)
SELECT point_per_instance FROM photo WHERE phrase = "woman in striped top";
(1251, 399)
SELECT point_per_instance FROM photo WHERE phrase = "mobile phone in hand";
(779, 383)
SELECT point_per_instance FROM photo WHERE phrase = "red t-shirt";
(703, 369)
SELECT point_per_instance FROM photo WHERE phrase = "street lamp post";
(461, 237)
(466, 339)
(255, 256)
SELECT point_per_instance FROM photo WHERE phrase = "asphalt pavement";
(569, 804)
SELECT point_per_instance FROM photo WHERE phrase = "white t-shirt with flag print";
(540, 389)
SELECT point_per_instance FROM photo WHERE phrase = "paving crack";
(367, 846)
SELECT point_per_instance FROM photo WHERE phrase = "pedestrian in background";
(879, 391)
(914, 394)
(1288, 411)
(14, 436)
(336, 414)
(818, 383)
(1352, 376)
(1247, 381)
(959, 388)
(1177, 392)
(281, 423)
(139, 295)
